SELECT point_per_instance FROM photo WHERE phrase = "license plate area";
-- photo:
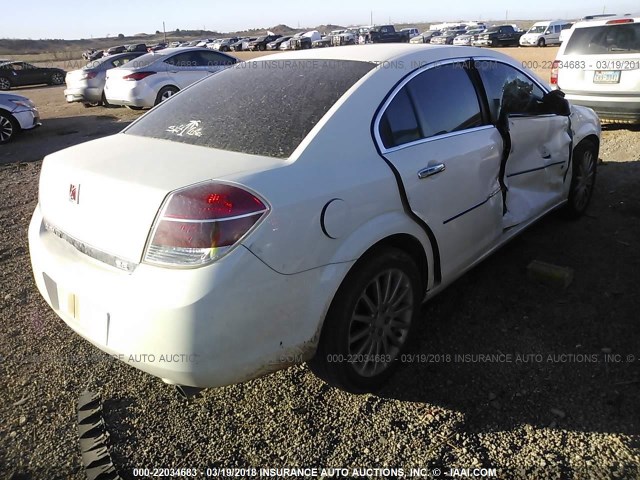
(606, 76)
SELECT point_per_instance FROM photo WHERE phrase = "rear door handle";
(432, 170)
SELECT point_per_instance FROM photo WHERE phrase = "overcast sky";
(73, 19)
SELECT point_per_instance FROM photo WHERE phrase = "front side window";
(509, 91)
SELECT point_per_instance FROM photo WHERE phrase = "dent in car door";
(532, 170)
(432, 133)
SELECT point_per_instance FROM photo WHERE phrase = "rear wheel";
(8, 128)
(165, 93)
(133, 107)
(56, 78)
(5, 83)
(369, 322)
(585, 159)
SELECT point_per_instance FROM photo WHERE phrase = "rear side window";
(605, 39)
(258, 107)
(437, 101)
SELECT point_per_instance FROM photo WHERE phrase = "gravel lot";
(564, 407)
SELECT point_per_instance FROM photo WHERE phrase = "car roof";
(605, 20)
(388, 52)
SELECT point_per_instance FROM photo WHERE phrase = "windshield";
(537, 29)
(621, 38)
(236, 109)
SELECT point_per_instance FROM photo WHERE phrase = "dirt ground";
(562, 403)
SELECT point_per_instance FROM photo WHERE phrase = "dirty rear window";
(258, 107)
(605, 39)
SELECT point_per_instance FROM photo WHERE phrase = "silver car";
(16, 113)
(87, 84)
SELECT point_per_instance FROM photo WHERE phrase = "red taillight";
(554, 72)
(199, 224)
(620, 20)
(138, 76)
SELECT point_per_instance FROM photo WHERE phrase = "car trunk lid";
(106, 193)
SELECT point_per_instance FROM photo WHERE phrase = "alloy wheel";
(585, 176)
(380, 322)
(6, 129)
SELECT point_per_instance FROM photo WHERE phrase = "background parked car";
(546, 33)
(19, 74)
(386, 34)
(499, 36)
(598, 66)
(275, 45)
(260, 43)
(426, 37)
(344, 37)
(304, 41)
(154, 77)
(114, 50)
(446, 38)
(224, 45)
(137, 47)
(87, 84)
(468, 37)
(413, 32)
(17, 113)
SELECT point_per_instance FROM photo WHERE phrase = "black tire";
(133, 107)
(262, 48)
(57, 78)
(5, 83)
(584, 169)
(9, 128)
(104, 102)
(542, 43)
(165, 93)
(385, 279)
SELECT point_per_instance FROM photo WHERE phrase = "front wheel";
(369, 322)
(8, 128)
(585, 159)
(541, 42)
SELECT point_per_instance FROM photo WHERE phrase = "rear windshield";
(605, 39)
(258, 107)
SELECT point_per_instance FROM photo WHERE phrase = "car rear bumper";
(83, 94)
(137, 94)
(613, 108)
(224, 323)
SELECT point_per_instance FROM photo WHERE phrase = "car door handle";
(546, 156)
(432, 170)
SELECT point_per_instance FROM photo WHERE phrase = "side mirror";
(555, 103)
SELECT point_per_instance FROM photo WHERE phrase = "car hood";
(7, 97)
(120, 183)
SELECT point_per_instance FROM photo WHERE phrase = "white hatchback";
(154, 77)
(208, 245)
(598, 66)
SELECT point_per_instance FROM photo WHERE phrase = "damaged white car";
(199, 234)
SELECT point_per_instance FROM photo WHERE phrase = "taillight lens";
(554, 72)
(620, 20)
(197, 225)
(138, 76)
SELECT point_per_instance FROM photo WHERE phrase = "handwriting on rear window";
(191, 129)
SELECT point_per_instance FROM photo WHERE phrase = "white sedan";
(154, 77)
(204, 247)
